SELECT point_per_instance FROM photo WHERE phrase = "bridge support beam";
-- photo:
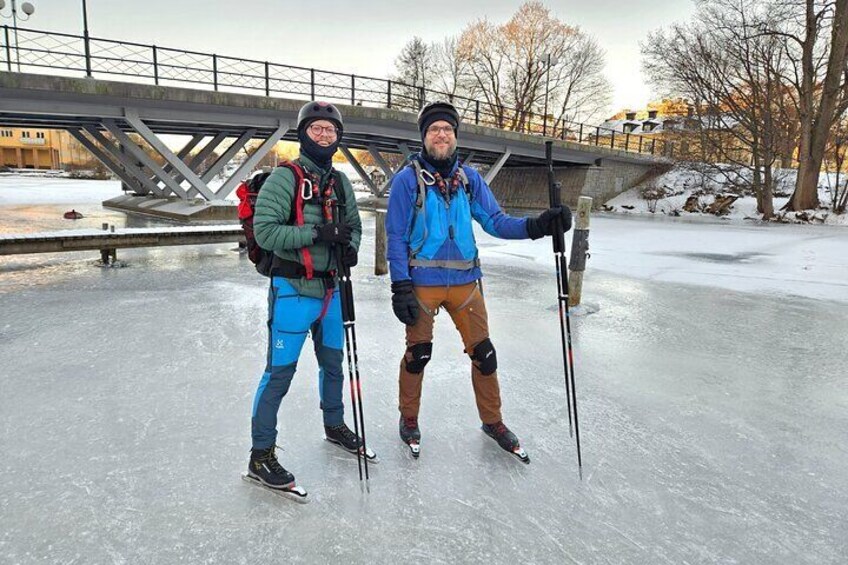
(128, 178)
(493, 172)
(153, 140)
(130, 166)
(183, 153)
(148, 162)
(366, 178)
(197, 161)
(406, 152)
(251, 161)
(384, 166)
(228, 155)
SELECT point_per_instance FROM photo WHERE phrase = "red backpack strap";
(299, 202)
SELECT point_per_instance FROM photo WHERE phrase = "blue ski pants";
(290, 318)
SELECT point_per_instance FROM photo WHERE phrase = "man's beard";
(441, 153)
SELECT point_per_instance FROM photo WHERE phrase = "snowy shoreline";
(671, 191)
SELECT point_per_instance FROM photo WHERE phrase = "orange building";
(31, 148)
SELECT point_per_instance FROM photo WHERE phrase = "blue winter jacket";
(444, 231)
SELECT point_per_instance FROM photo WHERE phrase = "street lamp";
(86, 39)
(549, 61)
(28, 10)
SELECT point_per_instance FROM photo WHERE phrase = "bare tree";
(580, 89)
(836, 155)
(449, 69)
(816, 41)
(481, 47)
(452, 76)
(414, 65)
(508, 65)
(733, 74)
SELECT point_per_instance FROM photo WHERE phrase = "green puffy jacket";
(273, 231)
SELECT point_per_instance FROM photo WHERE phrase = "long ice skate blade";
(371, 456)
(296, 493)
(414, 449)
(521, 455)
(517, 452)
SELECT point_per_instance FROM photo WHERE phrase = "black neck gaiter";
(321, 156)
(443, 166)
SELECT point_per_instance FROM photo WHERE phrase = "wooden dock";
(107, 241)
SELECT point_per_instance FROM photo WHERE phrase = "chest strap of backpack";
(294, 270)
(446, 264)
(425, 178)
(303, 190)
(306, 189)
(420, 201)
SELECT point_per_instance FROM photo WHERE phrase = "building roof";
(666, 123)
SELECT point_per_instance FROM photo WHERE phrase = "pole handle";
(554, 198)
(345, 286)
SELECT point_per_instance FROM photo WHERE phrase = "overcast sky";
(361, 37)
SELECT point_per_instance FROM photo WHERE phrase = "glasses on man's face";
(318, 130)
(436, 130)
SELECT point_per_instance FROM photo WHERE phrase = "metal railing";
(36, 50)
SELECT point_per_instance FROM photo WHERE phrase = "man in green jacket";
(299, 225)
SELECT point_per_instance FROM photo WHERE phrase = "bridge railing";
(24, 49)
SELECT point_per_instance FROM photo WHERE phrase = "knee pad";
(417, 357)
(487, 359)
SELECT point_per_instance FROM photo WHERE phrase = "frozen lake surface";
(713, 409)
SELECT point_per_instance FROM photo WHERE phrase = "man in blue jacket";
(434, 264)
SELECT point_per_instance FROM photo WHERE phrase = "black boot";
(410, 434)
(265, 468)
(342, 436)
(506, 439)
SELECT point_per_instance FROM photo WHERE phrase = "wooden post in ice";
(579, 250)
(380, 265)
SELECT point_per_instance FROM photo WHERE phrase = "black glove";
(333, 233)
(350, 256)
(404, 302)
(544, 224)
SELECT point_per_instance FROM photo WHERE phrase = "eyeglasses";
(436, 130)
(317, 130)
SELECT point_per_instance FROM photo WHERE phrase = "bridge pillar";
(527, 187)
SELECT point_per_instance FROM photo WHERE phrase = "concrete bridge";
(89, 108)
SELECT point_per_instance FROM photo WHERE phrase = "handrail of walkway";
(31, 49)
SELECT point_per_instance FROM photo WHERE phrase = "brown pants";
(467, 309)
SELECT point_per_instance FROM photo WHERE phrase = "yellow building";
(31, 148)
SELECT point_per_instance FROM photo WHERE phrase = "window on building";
(25, 134)
(39, 134)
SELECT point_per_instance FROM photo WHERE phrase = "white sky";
(358, 37)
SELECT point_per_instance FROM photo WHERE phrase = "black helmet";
(435, 111)
(317, 110)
